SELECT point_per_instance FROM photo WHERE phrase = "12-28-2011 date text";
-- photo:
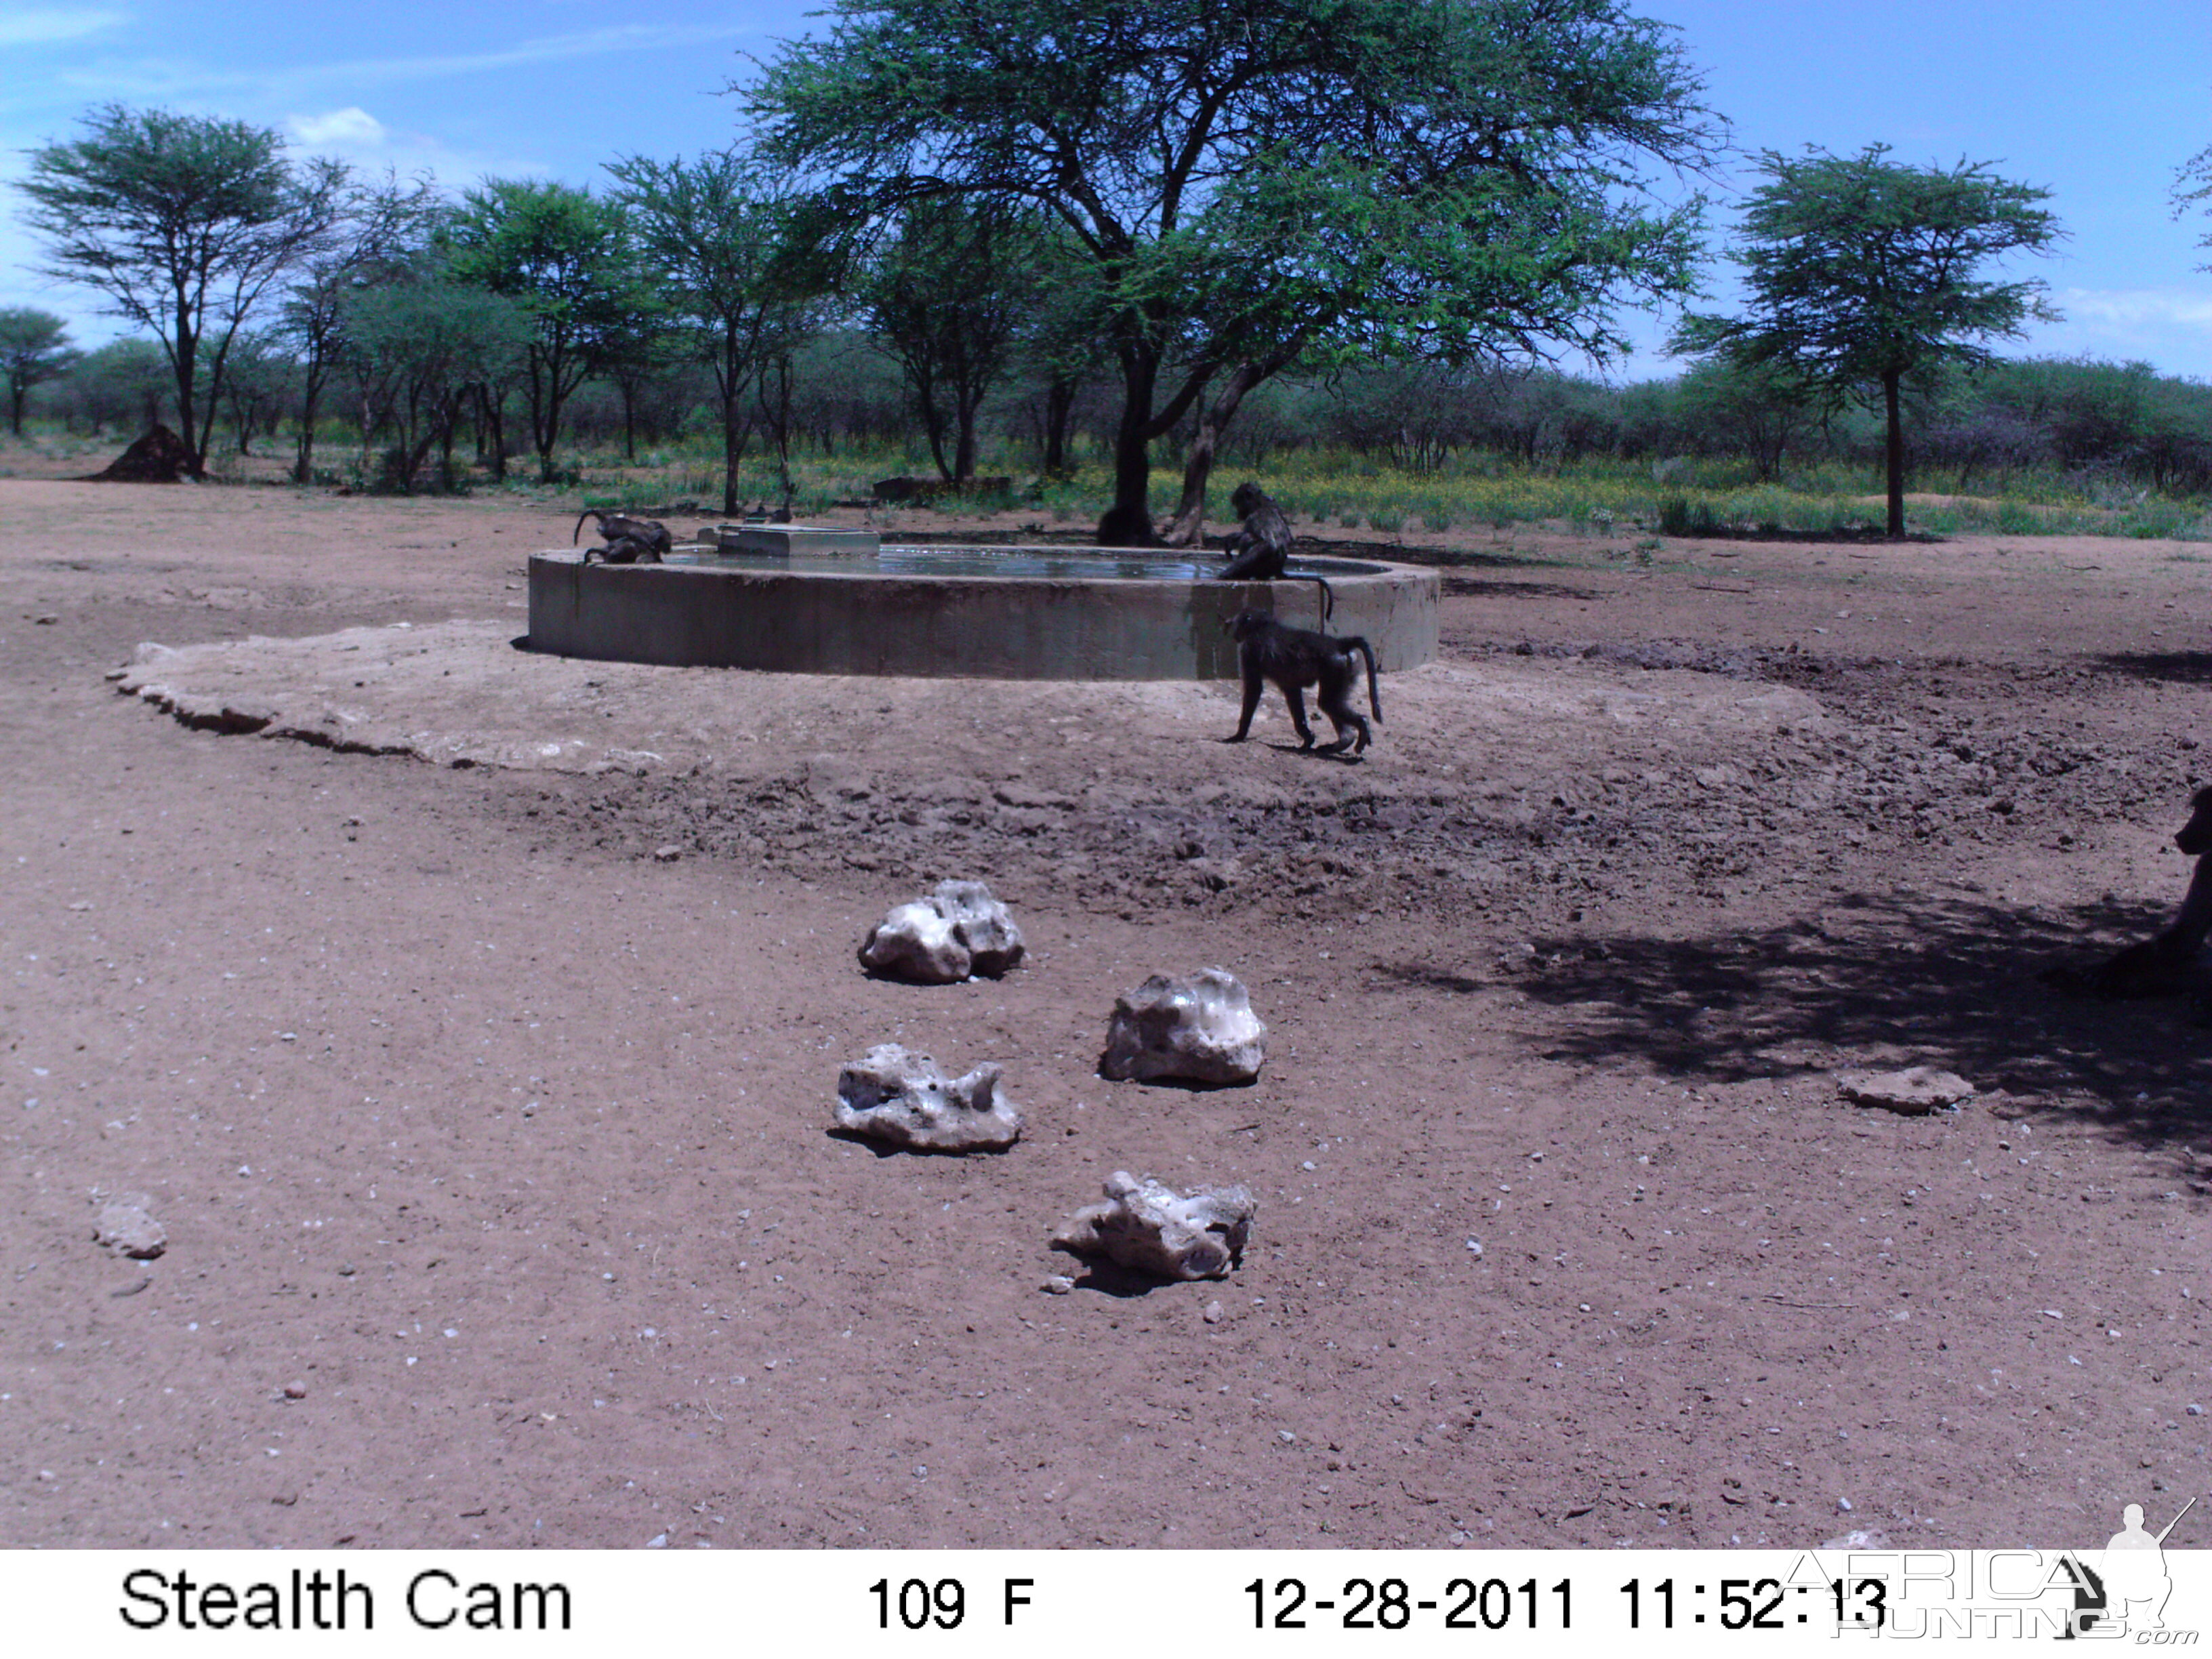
(1392, 1604)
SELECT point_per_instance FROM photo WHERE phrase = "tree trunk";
(303, 463)
(1189, 528)
(774, 400)
(1059, 407)
(491, 409)
(449, 422)
(964, 447)
(728, 364)
(1132, 456)
(15, 404)
(1889, 397)
(734, 447)
(205, 441)
(932, 426)
(185, 363)
(544, 407)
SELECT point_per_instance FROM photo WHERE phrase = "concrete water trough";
(1039, 612)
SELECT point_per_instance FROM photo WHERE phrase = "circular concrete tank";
(1041, 613)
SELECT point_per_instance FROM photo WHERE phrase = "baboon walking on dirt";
(1292, 658)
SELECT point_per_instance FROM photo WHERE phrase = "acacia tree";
(945, 296)
(1863, 271)
(1252, 184)
(122, 381)
(417, 347)
(34, 347)
(564, 256)
(259, 377)
(739, 259)
(1758, 409)
(2192, 184)
(183, 221)
(377, 228)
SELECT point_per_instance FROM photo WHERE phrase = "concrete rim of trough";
(869, 621)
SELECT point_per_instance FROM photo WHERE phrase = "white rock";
(126, 1227)
(902, 1098)
(1197, 1027)
(1916, 1091)
(959, 930)
(1153, 1229)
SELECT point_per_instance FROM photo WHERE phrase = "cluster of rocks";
(1196, 1029)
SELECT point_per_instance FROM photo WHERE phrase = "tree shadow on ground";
(1442, 558)
(1878, 980)
(1472, 588)
(2163, 667)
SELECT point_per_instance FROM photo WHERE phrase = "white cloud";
(2168, 327)
(2137, 308)
(168, 80)
(350, 128)
(38, 28)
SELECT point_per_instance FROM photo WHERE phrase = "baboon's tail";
(575, 534)
(1374, 686)
(1327, 593)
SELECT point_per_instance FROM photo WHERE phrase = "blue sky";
(2099, 103)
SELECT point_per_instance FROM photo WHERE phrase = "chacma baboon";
(1262, 527)
(1260, 547)
(2159, 966)
(624, 550)
(1294, 659)
(651, 536)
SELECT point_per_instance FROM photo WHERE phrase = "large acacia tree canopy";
(182, 222)
(1455, 175)
(1860, 269)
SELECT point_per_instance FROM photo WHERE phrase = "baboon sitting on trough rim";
(1260, 548)
(2159, 965)
(1294, 659)
(628, 540)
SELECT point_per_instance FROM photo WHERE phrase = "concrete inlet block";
(1197, 1028)
(786, 540)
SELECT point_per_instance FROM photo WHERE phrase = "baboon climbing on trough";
(2161, 965)
(1261, 546)
(1294, 659)
(628, 540)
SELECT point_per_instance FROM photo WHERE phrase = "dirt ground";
(476, 1048)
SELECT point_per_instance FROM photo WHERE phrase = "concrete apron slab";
(1015, 627)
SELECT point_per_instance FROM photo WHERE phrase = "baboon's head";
(1246, 622)
(1246, 499)
(2195, 835)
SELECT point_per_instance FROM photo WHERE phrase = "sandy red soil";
(503, 1138)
